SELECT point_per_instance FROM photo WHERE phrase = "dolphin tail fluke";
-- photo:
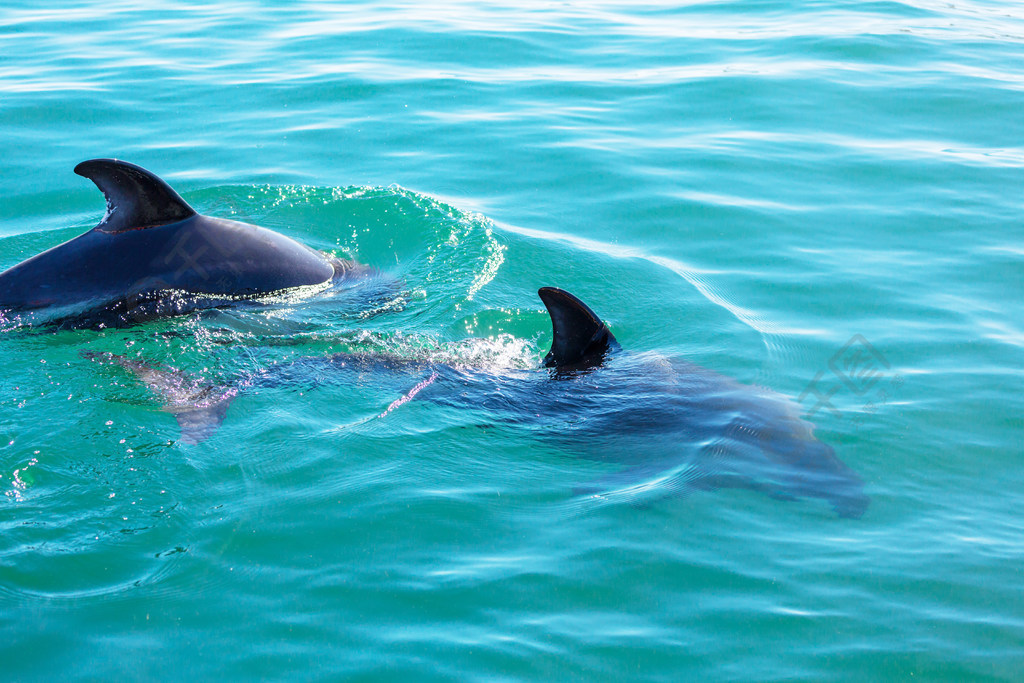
(581, 339)
(135, 197)
(198, 407)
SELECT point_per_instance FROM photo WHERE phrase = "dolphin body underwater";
(670, 425)
(153, 256)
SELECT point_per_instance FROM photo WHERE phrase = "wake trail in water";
(694, 276)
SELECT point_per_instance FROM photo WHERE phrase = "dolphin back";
(153, 256)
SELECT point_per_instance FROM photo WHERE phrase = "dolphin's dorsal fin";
(135, 197)
(581, 340)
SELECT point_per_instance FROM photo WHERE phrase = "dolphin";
(658, 419)
(153, 256)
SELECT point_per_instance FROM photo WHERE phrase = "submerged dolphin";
(153, 256)
(682, 425)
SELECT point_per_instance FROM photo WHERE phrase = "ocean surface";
(824, 199)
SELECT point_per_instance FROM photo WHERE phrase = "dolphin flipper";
(198, 407)
(135, 197)
(581, 340)
(199, 423)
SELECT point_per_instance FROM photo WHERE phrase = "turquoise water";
(760, 188)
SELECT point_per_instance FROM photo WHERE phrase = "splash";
(493, 262)
(21, 479)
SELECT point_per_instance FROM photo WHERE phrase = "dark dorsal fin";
(135, 197)
(581, 339)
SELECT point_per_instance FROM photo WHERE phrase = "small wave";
(697, 277)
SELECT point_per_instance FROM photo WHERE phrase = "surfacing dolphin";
(670, 425)
(153, 256)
